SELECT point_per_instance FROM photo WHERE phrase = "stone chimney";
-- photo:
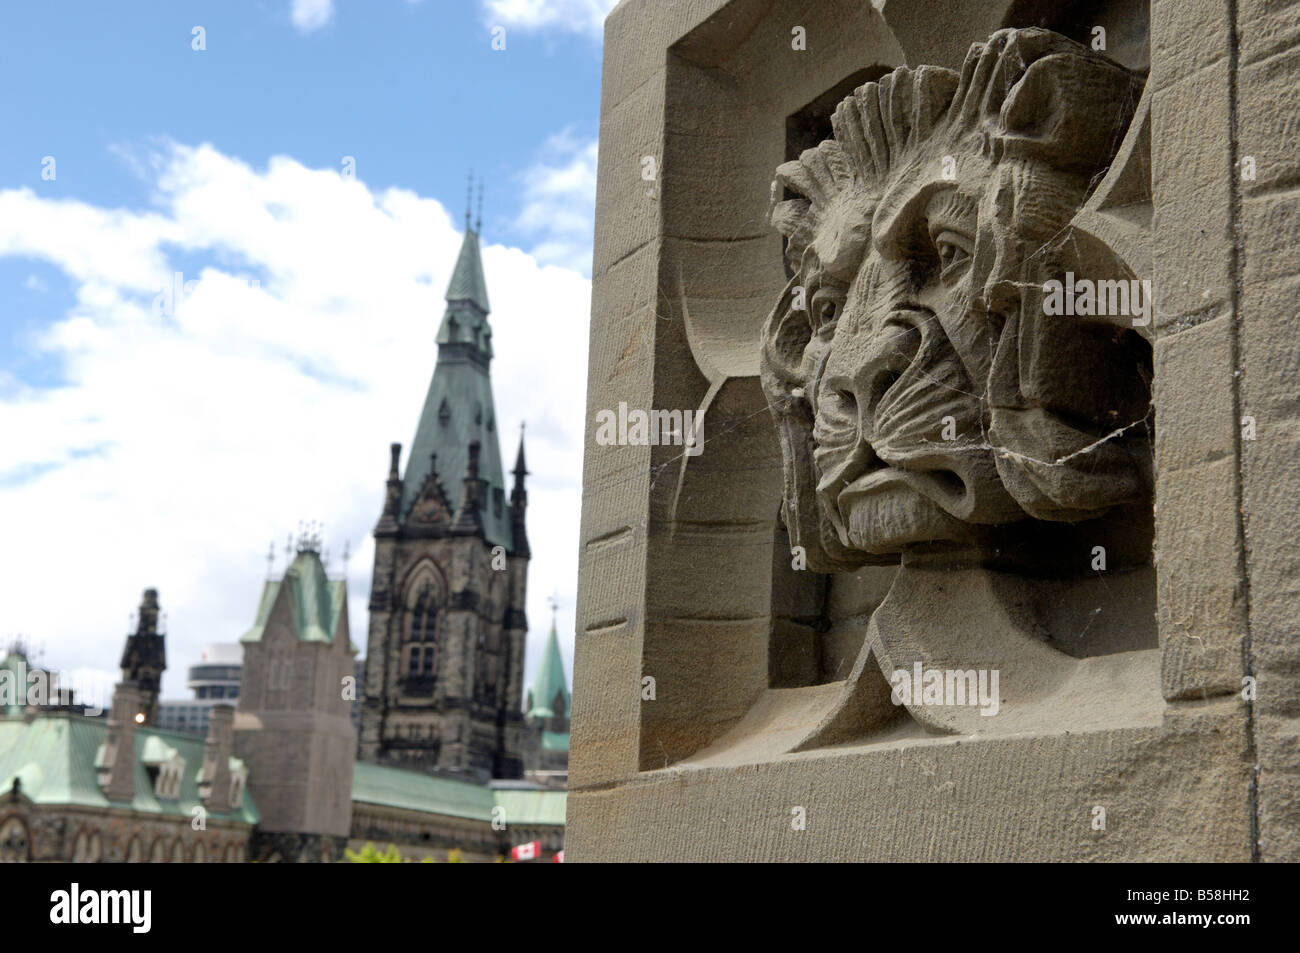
(214, 782)
(116, 762)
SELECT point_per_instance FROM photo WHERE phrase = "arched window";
(15, 842)
(422, 637)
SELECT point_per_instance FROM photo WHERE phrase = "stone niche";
(986, 549)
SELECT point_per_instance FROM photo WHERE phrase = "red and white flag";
(558, 858)
(529, 851)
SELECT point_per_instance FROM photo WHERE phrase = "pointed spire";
(458, 406)
(520, 471)
(478, 225)
(469, 515)
(469, 197)
(550, 691)
(467, 282)
(388, 520)
(519, 504)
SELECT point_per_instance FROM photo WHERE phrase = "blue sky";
(173, 446)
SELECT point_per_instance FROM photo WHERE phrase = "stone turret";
(115, 762)
(144, 658)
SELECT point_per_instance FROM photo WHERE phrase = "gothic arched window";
(422, 637)
(15, 842)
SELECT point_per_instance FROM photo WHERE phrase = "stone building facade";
(921, 463)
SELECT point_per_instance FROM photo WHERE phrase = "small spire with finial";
(478, 225)
(270, 560)
(469, 197)
(347, 554)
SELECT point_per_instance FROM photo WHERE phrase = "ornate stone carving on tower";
(144, 658)
(444, 663)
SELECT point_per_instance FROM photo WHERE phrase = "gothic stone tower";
(293, 724)
(444, 663)
(144, 658)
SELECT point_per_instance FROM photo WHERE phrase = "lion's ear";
(1070, 109)
(786, 334)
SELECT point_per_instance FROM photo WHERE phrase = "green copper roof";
(555, 741)
(531, 807)
(549, 683)
(410, 790)
(387, 786)
(55, 754)
(467, 283)
(459, 406)
(315, 602)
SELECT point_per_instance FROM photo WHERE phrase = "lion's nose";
(892, 350)
(1000, 298)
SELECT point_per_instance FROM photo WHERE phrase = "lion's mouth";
(945, 487)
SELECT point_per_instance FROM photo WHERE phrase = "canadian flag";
(558, 858)
(529, 851)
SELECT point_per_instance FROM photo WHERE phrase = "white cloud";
(311, 15)
(573, 16)
(560, 202)
(192, 431)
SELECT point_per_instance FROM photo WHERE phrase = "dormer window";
(238, 777)
(165, 768)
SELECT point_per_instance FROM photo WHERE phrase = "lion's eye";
(953, 251)
(826, 305)
(950, 254)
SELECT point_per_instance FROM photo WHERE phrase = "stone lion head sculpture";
(921, 393)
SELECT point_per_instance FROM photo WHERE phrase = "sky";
(226, 228)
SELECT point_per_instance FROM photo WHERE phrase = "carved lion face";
(919, 388)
